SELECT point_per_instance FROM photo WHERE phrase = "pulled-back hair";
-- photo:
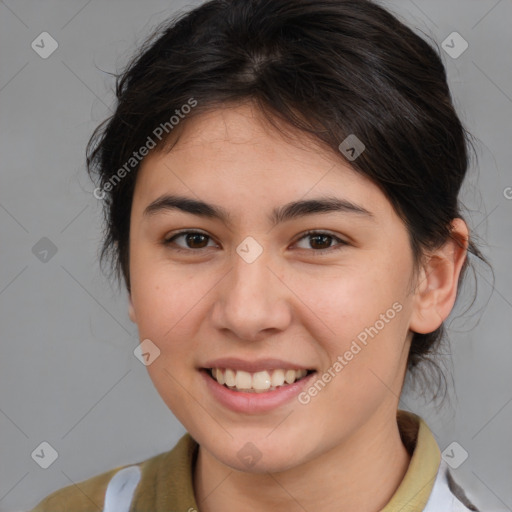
(329, 68)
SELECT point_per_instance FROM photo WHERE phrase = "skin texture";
(290, 303)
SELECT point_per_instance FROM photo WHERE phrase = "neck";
(374, 459)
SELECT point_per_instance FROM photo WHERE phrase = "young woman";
(281, 183)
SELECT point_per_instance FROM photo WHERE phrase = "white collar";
(121, 488)
(441, 498)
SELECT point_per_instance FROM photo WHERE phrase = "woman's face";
(266, 295)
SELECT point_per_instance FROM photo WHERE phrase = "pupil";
(193, 236)
(324, 237)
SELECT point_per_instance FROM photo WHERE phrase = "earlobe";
(131, 309)
(436, 288)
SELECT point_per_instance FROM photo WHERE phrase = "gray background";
(68, 372)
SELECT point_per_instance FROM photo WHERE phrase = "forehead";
(232, 131)
(234, 152)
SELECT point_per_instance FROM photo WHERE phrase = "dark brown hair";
(329, 68)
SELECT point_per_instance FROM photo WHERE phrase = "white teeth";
(256, 382)
(289, 376)
(229, 377)
(243, 380)
(219, 375)
(278, 378)
(261, 381)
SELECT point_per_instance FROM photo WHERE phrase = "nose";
(252, 301)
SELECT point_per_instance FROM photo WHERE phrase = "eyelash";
(320, 252)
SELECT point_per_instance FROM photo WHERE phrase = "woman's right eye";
(190, 237)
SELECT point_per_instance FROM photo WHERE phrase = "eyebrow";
(289, 211)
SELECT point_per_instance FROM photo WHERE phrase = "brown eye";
(321, 242)
(194, 240)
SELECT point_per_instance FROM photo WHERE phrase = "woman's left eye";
(197, 238)
(321, 238)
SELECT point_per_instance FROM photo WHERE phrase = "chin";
(262, 466)
(259, 456)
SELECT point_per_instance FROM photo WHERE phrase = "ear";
(131, 309)
(436, 288)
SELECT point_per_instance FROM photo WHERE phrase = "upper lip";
(259, 365)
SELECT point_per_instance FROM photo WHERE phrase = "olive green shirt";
(166, 482)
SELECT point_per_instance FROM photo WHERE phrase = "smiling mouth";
(258, 382)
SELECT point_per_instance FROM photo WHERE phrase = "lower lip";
(253, 403)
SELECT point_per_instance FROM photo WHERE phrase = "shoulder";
(88, 495)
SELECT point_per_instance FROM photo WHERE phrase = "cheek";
(162, 292)
(360, 320)
(168, 302)
(346, 300)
